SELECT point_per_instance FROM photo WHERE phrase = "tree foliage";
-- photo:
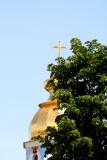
(81, 90)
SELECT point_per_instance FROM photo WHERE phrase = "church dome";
(44, 117)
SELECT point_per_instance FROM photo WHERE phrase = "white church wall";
(34, 151)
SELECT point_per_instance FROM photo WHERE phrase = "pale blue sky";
(28, 29)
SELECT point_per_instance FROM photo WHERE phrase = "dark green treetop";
(81, 90)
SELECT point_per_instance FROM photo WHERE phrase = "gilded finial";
(59, 47)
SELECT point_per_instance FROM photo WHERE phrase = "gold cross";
(59, 47)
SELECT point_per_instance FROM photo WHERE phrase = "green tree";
(81, 90)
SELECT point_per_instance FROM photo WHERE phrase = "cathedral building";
(45, 117)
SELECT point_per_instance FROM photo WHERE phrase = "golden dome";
(44, 117)
(48, 87)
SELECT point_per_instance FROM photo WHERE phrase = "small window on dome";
(36, 157)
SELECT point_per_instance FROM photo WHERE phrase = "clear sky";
(28, 29)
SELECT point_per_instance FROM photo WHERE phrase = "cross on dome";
(59, 47)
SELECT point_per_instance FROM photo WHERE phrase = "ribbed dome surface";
(44, 117)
